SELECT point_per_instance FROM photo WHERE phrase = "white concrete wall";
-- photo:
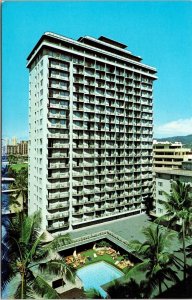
(38, 139)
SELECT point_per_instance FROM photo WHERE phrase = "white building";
(91, 121)
(163, 181)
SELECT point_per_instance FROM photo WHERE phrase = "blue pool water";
(97, 274)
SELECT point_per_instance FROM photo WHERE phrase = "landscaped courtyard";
(106, 254)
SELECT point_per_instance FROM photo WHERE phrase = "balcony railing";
(57, 205)
(57, 226)
(57, 216)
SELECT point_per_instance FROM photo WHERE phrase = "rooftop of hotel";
(109, 46)
(179, 172)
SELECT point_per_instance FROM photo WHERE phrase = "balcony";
(55, 155)
(58, 105)
(58, 205)
(58, 186)
(59, 166)
(55, 196)
(58, 67)
(58, 76)
(58, 136)
(58, 216)
(60, 146)
(57, 226)
(58, 116)
(62, 126)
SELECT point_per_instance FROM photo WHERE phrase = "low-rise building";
(170, 155)
(163, 181)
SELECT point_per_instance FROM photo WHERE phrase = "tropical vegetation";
(20, 186)
(25, 254)
(24, 251)
(127, 290)
(12, 159)
(157, 259)
(179, 211)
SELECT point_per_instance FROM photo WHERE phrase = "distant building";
(6, 141)
(20, 148)
(163, 180)
(11, 150)
(14, 141)
(170, 155)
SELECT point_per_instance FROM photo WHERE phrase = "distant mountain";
(185, 140)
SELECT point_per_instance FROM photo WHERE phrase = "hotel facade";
(91, 124)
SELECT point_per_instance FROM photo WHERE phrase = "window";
(160, 183)
(160, 193)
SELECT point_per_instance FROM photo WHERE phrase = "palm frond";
(59, 241)
(140, 267)
(28, 292)
(171, 275)
(92, 294)
(8, 272)
(41, 287)
(58, 267)
(38, 252)
(134, 245)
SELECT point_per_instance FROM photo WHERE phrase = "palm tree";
(20, 185)
(157, 259)
(93, 294)
(179, 210)
(12, 159)
(24, 250)
(126, 290)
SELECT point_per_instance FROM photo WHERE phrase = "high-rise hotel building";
(91, 123)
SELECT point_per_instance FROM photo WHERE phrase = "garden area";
(99, 253)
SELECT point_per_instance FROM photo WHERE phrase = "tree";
(157, 259)
(12, 159)
(179, 210)
(11, 172)
(23, 250)
(93, 294)
(126, 290)
(103, 244)
(148, 204)
(20, 185)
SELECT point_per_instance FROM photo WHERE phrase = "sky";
(159, 32)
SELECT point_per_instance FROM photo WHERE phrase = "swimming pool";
(97, 274)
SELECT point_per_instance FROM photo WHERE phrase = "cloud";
(174, 128)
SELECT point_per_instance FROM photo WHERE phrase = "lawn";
(18, 167)
(106, 257)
